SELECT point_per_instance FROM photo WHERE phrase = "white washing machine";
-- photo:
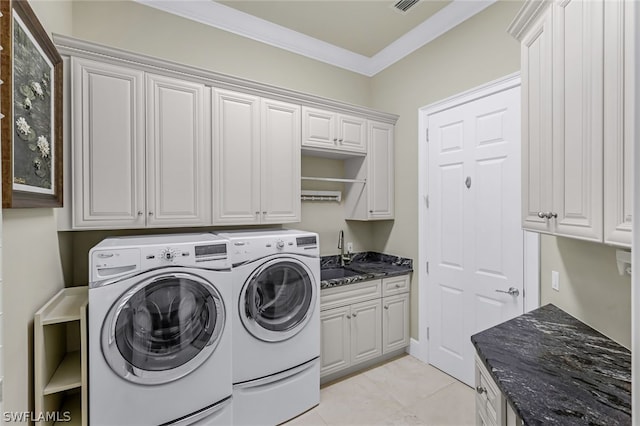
(160, 331)
(276, 324)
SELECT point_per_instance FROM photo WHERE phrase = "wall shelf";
(322, 179)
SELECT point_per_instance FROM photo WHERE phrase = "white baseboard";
(414, 348)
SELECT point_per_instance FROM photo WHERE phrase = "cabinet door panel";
(236, 158)
(536, 58)
(318, 128)
(280, 171)
(352, 133)
(380, 176)
(395, 322)
(108, 145)
(178, 153)
(366, 335)
(618, 122)
(335, 340)
(578, 118)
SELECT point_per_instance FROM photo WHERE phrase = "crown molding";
(74, 47)
(219, 16)
(526, 16)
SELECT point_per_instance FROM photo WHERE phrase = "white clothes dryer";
(160, 331)
(276, 324)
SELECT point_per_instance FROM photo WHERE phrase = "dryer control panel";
(248, 247)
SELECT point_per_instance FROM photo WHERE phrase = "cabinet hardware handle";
(264, 212)
(340, 140)
(467, 182)
(543, 215)
(397, 285)
(370, 211)
(150, 213)
(355, 314)
(335, 139)
(348, 316)
(386, 306)
(552, 215)
(480, 390)
(512, 291)
(257, 213)
(140, 213)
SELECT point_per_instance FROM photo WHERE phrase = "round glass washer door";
(277, 300)
(163, 328)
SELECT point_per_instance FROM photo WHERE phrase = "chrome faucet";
(344, 258)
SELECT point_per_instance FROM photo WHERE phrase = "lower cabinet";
(358, 324)
(492, 408)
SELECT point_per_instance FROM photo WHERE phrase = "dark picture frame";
(31, 102)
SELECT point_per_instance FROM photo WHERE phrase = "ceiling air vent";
(404, 5)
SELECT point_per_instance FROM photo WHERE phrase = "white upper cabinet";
(380, 180)
(280, 162)
(537, 184)
(333, 131)
(256, 160)
(577, 118)
(577, 127)
(618, 121)
(236, 154)
(371, 196)
(108, 145)
(178, 153)
(140, 154)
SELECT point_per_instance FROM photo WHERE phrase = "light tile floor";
(403, 391)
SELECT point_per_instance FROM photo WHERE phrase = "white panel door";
(236, 158)
(475, 238)
(395, 322)
(178, 153)
(366, 333)
(318, 128)
(352, 133)
(108, 145)
(335, 339)
(280, 165)
(618, 121)
(537, 99)
(380, 175)
(578, 118)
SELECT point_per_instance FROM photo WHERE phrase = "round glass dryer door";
(163, 328)
(277, 300)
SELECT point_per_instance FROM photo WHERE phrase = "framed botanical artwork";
(31, 102)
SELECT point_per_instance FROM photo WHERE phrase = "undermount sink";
(333, 273)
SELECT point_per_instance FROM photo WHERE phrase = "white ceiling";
(364, 36)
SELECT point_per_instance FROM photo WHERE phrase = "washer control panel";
(113, 262)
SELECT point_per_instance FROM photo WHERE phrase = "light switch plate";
(555, 280)
(349, 247)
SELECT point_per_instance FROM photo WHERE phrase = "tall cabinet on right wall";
(577, 75)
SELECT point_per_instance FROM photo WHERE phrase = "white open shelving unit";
(60, 357)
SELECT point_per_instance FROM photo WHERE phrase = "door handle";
(512, 291)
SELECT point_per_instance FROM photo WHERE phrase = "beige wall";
(146, 30)
(590, 287)
(32, 272)
(475, 52)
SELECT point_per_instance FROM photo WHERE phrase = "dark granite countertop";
(556, 370)
(367, 266)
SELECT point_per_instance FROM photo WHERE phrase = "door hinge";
(426, 200)
(427, 267)
(427, 333)
(427, 134)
